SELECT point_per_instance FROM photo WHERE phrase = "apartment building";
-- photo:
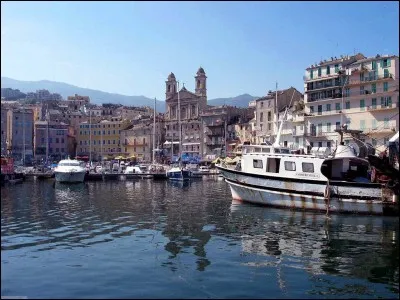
(50, 138)
(100, 139)
(20, 133)
(137, 140)
(218, 130)
(4, 112)
(267, 109)
(76, 102)
(357, 91)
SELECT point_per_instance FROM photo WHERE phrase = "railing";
(369, 79)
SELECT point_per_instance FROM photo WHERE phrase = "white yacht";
(70, 170)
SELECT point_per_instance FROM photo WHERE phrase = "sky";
(244, 47)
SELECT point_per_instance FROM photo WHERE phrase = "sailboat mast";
(276, 106)
(90, 137)
(154, 131)
(47, 133)
(179, 124)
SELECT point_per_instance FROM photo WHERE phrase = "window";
(307, 167)
(257, 163)
(57, 150)
(328, 127)
(385, 86)
(269, 116)
(347, 104)
(362, 125)
(347, 92)
(374, 103)
(362, 104)
(261, 117)
(386, 73)
(328, 144)
(319, 72)
(328, 70)
(328, 107)
(337, 106)
(50, 140)
(337, 125)
(311, 74)
(336, 68)
(273, 165)
(386, 63)
(320, 109)
(374, 124)
(262, 104)
(362, 90)
(311, 109)
(373, 88)
(290, 166)
(94, 142)
(386, 123)
(373, 67)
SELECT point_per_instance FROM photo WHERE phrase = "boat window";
(290, 166)
(273, 165)
(308, 167)
(267, 150)
(256, 149)
(277, 151)
(285, 151)
(257, 163)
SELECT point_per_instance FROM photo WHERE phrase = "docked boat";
(8, 173)
(272, 176)
(331, 182)
(70, 171)
(178, 173)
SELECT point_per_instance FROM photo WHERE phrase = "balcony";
(215, 143)
(214, 123)
(369, 79)
(325, 76)
(214, 132)
(380, 107)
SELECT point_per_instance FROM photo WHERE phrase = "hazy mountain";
(100, 97)
(239, 101)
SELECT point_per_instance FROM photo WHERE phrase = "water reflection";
(362, 247)
(173, 234)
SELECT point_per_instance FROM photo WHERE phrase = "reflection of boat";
(179, 184)
(353, 246)
(70, 170)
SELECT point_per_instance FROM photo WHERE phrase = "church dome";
(200, 71)
(171, 76)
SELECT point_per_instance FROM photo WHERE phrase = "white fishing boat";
(70, 171)
(323, 181)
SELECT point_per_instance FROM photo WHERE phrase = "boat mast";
(278, 135)
(90, 137)
(276, 106)
(154, 131)
(47, 134)
(23, 134)
(179, 125)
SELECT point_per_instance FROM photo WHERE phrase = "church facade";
(191, 107)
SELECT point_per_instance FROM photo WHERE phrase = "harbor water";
(149, 239)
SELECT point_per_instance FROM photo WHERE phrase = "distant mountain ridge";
(99, 97)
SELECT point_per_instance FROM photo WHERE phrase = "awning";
(189, 144)
(169, 143)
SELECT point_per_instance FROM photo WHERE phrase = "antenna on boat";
(278, 135)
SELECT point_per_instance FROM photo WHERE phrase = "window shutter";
(388, 62)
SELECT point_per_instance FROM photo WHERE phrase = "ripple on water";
(156, 239)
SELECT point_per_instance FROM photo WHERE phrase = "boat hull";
(70, 177)
(182, 175)
(307, 195)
